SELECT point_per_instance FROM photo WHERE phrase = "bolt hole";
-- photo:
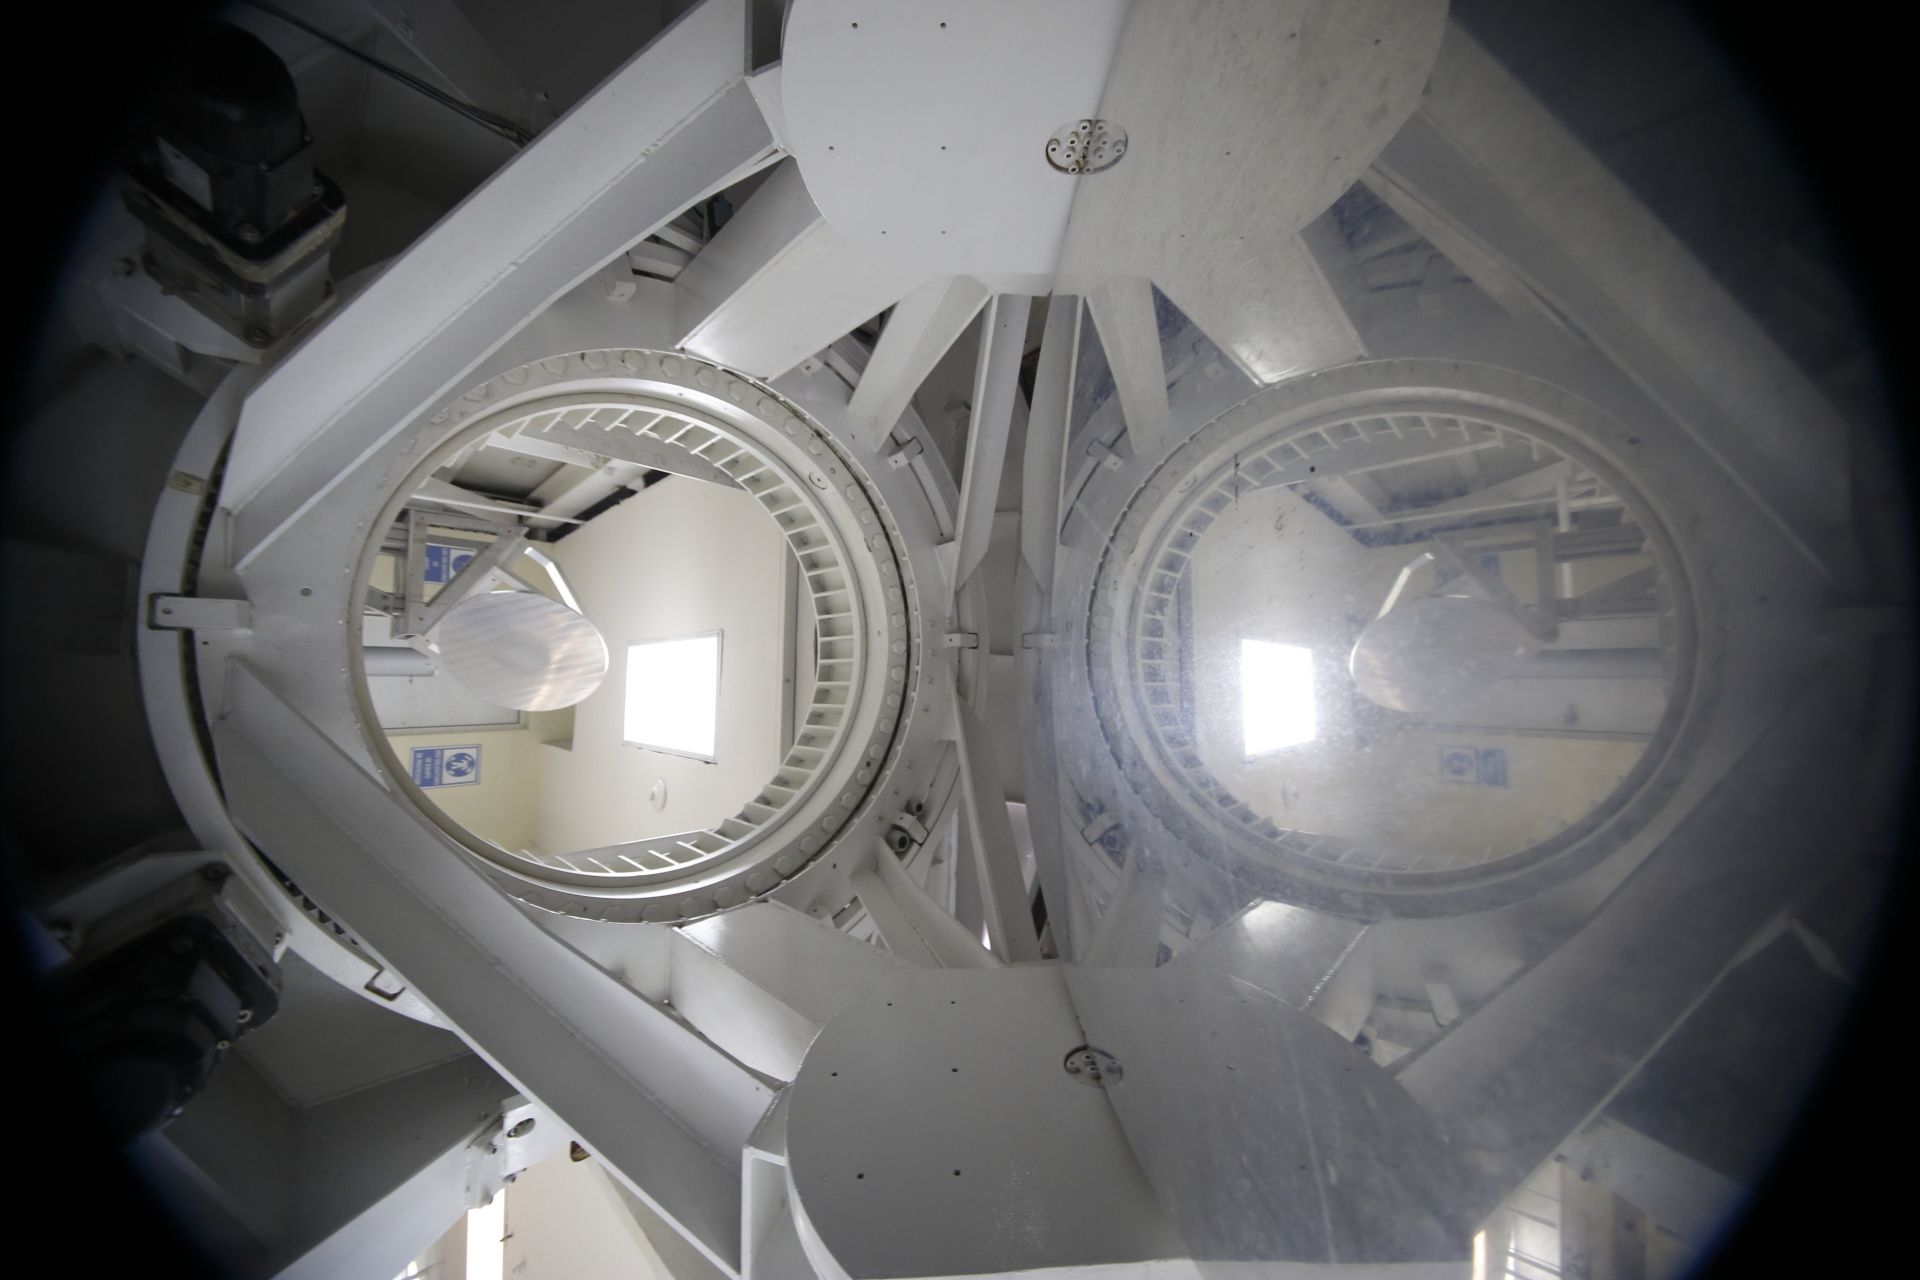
(522, 1129)
(862, 1175)
(306, 591)
(956, 1173)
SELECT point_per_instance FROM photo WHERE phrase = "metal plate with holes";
(1097, 1067)
(1086, 146)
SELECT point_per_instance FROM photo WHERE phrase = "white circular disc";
(521, 650)
(1435, 652)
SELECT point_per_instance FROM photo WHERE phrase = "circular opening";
(617, 638)
(1399, 648)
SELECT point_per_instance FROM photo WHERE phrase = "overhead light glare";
(1276, 696)
(673, 695)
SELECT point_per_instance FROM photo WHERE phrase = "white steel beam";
(1676, 1191)
(623, 447)
(912, 924)
(1518, 1075)
(1345, 496)
(471, 578)
(988, 832)
(1122, 308)
(1042, 474)
(1540, 484)
(1274, 315)
(922, 326)
(952, 944)
(1043, 471)
(762, 980)
(1573, 234)
(777, 284)
(533, 446)
(666, 1110)
(676, 123)
(563, 495)
(891, 921)
(996, 383)
(1129, 932)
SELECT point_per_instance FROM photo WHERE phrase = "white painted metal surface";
(949, 177)
(779, 283)
(1272, 110)
(933, 1132)
(1268, 1136)
(1487, 160)
(932, 1129)
(561, 1029)
(1122, 308)
(919, 330)
(995, 387)
(762, 980)
(676, 122)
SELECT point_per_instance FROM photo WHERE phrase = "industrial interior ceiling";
(1317, 589)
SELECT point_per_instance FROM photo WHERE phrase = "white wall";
(504, 804)
(680, 558)
(563, 1222)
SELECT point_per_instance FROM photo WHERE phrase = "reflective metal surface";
(1404, 643)
(522, 650)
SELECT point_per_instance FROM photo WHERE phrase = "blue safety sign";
(1484, 765)
(445, 560)
(446, 766)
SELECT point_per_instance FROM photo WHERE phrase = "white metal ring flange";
(825, 507)
(1289, 426)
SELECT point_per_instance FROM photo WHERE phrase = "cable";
(486, 119)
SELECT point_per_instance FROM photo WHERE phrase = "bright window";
(673, 695)
(486, 1239)
(1276, 696)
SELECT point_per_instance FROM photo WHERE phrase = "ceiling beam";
(922, 326)
(1123, 313)
(673, 125)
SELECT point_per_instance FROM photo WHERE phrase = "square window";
(1276, 696)
(673, 695)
